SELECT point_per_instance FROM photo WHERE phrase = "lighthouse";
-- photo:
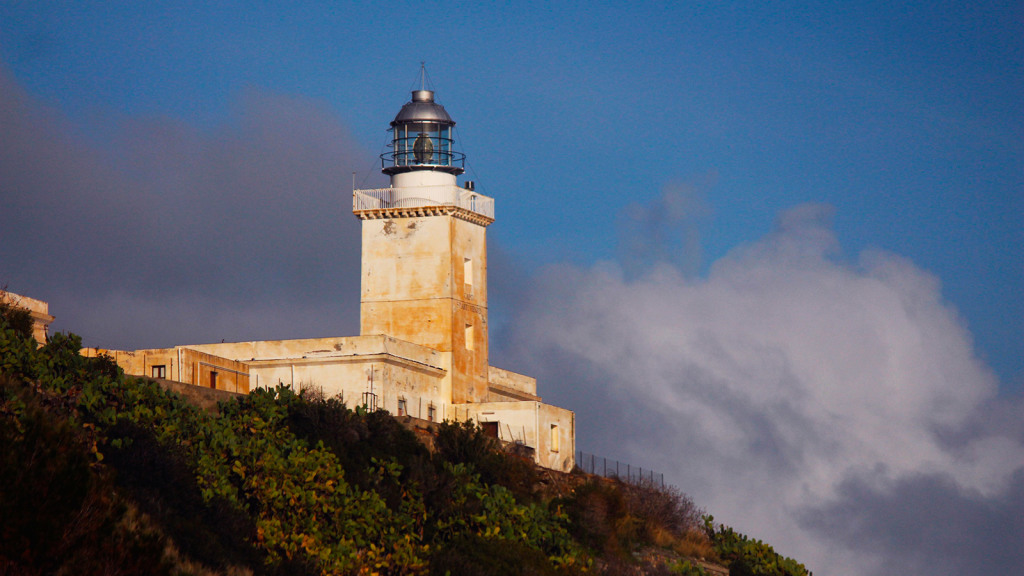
(424, 248)
(422, 351)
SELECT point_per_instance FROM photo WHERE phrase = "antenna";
(423, 78)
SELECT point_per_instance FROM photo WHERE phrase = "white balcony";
(423, 197)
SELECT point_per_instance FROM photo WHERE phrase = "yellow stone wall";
(508, 383)
(181, 364)
(424, 280)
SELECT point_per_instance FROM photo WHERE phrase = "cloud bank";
(835, 409)
(164, 233)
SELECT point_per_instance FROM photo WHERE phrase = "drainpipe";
(536, 430)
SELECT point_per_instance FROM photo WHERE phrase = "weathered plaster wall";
(424, 280)
(350, 367)
(325, 347)
(549, 430)
(507, 385)
(39, 310)
(471, 360)
(181, 364)
(388, 378)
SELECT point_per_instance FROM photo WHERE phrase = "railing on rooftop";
(423, 196)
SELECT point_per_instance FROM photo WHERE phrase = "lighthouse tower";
(424, 249)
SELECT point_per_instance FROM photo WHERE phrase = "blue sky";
(193, 162)
(903, 116)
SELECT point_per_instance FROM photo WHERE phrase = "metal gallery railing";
(420, 151)
(422, 196)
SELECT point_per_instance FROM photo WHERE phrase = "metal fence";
(601, 466)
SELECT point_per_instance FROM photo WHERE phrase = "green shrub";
(749, 557)
(477, 556)
(466, 443)
(17, 319)
(358, 439)
(44, 475)
(159, 478)
(60, 509)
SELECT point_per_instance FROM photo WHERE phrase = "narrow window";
(402, 410)
(213, 379)
(555, 438)
(467, 275)
(469, 337)
(160, 371)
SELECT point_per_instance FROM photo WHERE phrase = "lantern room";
(422, 141)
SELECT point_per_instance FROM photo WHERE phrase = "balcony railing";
(423, 196)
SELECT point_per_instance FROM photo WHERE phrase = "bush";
(358, 439)
(477, 556)
(60, 508)
(662, 509)
(749, 557)
(466, 443)
(599, 518)
(160, 480)
(17, 319)
(44, 475)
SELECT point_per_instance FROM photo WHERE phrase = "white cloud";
(767, 386)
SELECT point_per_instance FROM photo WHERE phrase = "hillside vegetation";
(103, 474)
